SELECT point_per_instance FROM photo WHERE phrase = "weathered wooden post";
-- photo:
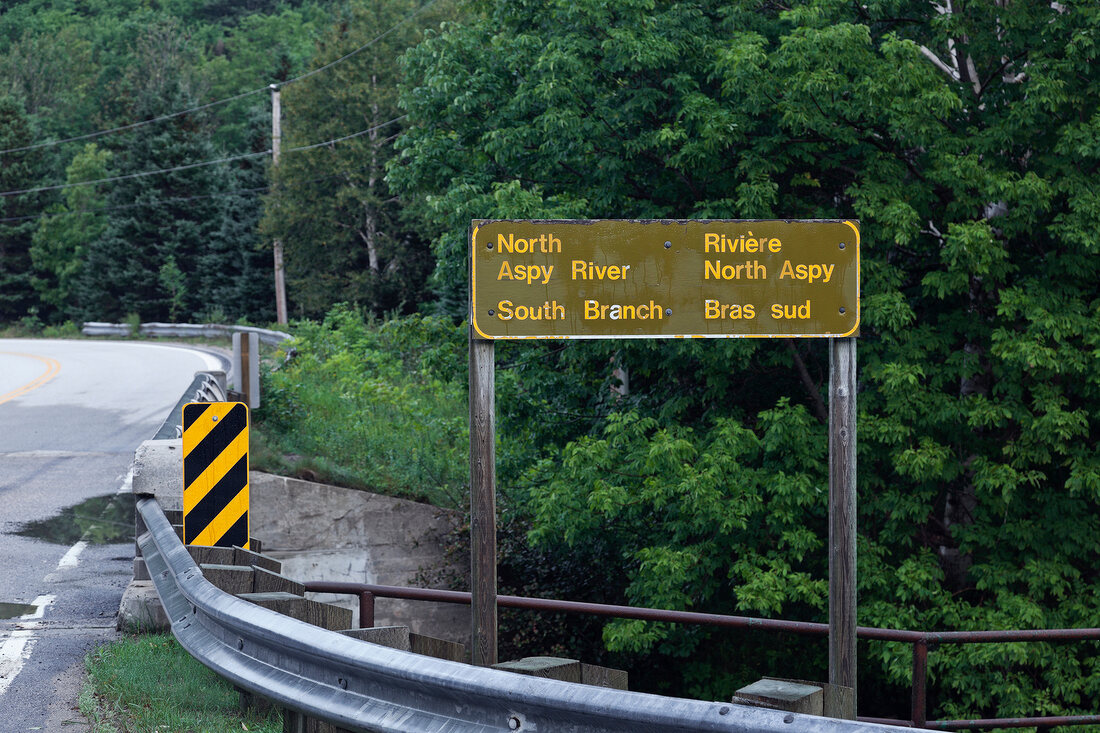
(842, 521)
(483, 525)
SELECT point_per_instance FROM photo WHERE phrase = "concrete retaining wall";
(322, 532)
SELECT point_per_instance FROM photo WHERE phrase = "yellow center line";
(52, 368)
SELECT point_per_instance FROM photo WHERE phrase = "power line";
(173, 199)
(123, 207)
(132, 125)
(229, 159)
(346, 137)
(128, 176)
(208, 105)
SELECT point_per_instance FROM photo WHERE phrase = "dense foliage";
(366, 405)
(186, 243)
(964, 139)
(19, 173)
(346, 234)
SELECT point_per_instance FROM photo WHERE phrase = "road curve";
(71, 415)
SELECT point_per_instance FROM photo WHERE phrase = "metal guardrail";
(921, 640)
(183, 330)
(205, 387)
(278, 653)
(365, 687)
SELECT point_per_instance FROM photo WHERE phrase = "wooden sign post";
(554, 279)
(842, 521)
(483, 501)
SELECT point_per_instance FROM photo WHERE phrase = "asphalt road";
(72, 413)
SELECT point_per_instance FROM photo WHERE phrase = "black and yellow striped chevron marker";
(215, 474)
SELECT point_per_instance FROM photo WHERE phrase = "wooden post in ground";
(483, 526)
(246, 371)
(842, 518)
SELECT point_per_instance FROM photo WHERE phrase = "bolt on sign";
(215, 474)
(699, 278)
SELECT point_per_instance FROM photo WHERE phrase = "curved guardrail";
(205, 387)
(183, 330)
(365, 687)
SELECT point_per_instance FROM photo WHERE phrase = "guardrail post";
(248, 701)
(219, 377)
(293, 721)
(141, 572)
(919, 712)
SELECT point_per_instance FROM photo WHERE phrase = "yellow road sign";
(215, 474)
(696, 278)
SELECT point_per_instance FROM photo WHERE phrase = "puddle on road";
(102, 520)
(15, 610)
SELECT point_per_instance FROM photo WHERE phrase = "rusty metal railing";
(921, 641)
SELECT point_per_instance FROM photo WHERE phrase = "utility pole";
(276, 144)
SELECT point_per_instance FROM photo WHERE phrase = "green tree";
(95, 64)
(171, 217)
(256, 51)
(342, 227)
(19, 171)
(61, 240)
(963, 137)
(236, 267)
(52, 72)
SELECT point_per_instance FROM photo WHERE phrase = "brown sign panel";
(650, 279)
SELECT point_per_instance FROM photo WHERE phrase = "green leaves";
(18, 172)
(367, 405)
(347, 235)
(732, 526)
(61, 240)
(963, 138)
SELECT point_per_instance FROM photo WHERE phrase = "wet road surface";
(72, 413)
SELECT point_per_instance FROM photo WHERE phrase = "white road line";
(13, 654)
(39, 611)
(127, 486)
(70, 559)
(17, 649)
(211, 361)
(58, 454)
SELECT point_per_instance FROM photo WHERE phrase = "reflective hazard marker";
(215, 474)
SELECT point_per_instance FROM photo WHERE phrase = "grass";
(31, 327)
(366, 405)
(148, 683)
(407, 441)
